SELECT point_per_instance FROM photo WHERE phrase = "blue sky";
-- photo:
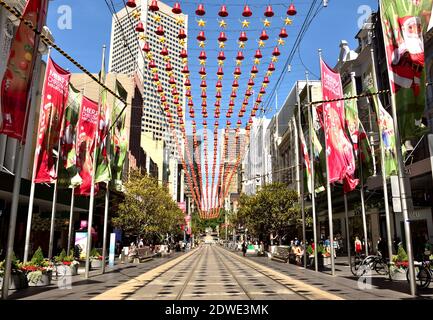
(91, 27)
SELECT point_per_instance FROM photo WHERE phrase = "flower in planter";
(15, 266)
(95, 255)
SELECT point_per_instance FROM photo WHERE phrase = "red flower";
(403, 264)
(67, 263)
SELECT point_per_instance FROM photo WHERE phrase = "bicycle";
(423, 274)
(372, 262)
(354, 266)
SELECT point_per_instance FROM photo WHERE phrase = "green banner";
(68, 176)
(386, 128)
(119, 139)
(351, 115)
(404, 23)
(103, 170)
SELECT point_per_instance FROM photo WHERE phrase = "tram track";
(303, 290)
(190, 275)
(212, 272)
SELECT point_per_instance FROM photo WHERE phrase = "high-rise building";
(229, 162)
(126, 56)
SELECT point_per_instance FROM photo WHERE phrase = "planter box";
(96, 264)
(399, 275)
(74, 270)
(44, 281)
(17, 281)
(326, 261)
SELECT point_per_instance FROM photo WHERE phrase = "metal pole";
(328, 190)
(29, 216)
(364, 216)
(382, 165)
(404, 198)
(92, 190)
(33, 185)
(71, 216)
(300, 174)
(226, 225)
(312, 182)
(104, 240)
(346, 215)
(403, 195)
(13, 222)
(53, 215)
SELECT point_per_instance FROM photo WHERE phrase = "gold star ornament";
(288, 21)
(201, 23)
(157, 18)
(274, 59)
(256, 61)
(261, 43)
(222, 45)
(266, 23)
(201, 44)
(223, 24)
(180, 21)
(245, 24)
(182, 42)
(281, 42)
(241, 44)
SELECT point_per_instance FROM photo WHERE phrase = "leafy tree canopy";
(148, 209)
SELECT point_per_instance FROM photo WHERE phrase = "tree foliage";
(272, 210)
(148, 209)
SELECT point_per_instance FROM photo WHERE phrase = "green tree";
(271, 211)
(147, 209)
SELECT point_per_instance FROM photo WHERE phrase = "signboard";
(111, 250)
(81, 242)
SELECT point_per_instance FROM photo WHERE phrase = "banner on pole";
(351, 113)
(15, 86)
(339, 150)
(404, 23)
(119, 139)
(68, 172)
(103, 170)
(54, 101)
(87, 125)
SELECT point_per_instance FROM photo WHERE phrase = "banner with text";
(54, 101)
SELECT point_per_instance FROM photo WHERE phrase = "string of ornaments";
(210, 207)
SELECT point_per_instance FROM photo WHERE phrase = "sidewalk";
(344, 284)
(85, 289)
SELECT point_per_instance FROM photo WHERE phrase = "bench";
(281, 254)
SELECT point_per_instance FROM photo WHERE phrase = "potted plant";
(399, 264)
(68, 261)
(18, 279)
(95, 259)
(39, 270)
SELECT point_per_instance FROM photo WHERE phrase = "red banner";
(15, 86)
(85, 143)
(54, 101)
(339, 150)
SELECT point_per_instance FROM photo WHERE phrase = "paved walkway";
(212, 273)
(344, 284)
(84, 289)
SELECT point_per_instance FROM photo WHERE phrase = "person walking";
(358, 246)
(244, 248)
